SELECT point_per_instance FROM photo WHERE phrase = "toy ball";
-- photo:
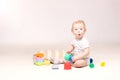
(102, 64)
(68, 57)
(91, 65)
(91, 60)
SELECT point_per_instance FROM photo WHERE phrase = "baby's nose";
(78, 30)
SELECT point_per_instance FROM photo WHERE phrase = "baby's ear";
(85, 29)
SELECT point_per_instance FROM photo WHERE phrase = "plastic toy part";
(39, 55)
(91, 65)
(67, 65)
(38, 63)
(68, 57)
(46, 62)
(55, 66)
(91, 60)
(102, 64)
(38, 59)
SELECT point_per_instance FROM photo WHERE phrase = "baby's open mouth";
(78, 34)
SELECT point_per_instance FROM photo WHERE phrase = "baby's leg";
(80, 63)
(57, 61)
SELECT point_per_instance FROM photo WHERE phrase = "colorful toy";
(39, 59)
(91, 64)
(68, 57)
(67, 65)
(102, 64)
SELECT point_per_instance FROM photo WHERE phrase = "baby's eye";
(76, 29)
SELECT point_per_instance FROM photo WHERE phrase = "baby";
(79, 47)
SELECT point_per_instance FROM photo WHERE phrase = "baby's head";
(78, 28)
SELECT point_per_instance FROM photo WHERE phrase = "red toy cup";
(67, 65)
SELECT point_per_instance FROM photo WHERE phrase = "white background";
(49, 21)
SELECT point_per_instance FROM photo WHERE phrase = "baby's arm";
(70, 49)
(82, 55)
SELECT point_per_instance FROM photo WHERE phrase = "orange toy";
(39, 55)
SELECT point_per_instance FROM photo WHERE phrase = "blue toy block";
(91, 60)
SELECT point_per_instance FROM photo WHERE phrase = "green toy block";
(91, 65)
(68, 57)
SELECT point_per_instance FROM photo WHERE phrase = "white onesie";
(79, 46)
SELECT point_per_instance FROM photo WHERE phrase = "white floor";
(16, 63)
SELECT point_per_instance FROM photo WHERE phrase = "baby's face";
(78, 30)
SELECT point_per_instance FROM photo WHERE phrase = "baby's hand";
(75, 58)
(68, 51)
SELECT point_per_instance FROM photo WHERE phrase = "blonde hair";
(78, 22)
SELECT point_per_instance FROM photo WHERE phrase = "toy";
(46, 62)
(55, 66)
(39, 55)
(67, 65)
(91, 65)
(38, 63)
(40, 60)
(102, 64)
(68, 57)
(91, 60)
